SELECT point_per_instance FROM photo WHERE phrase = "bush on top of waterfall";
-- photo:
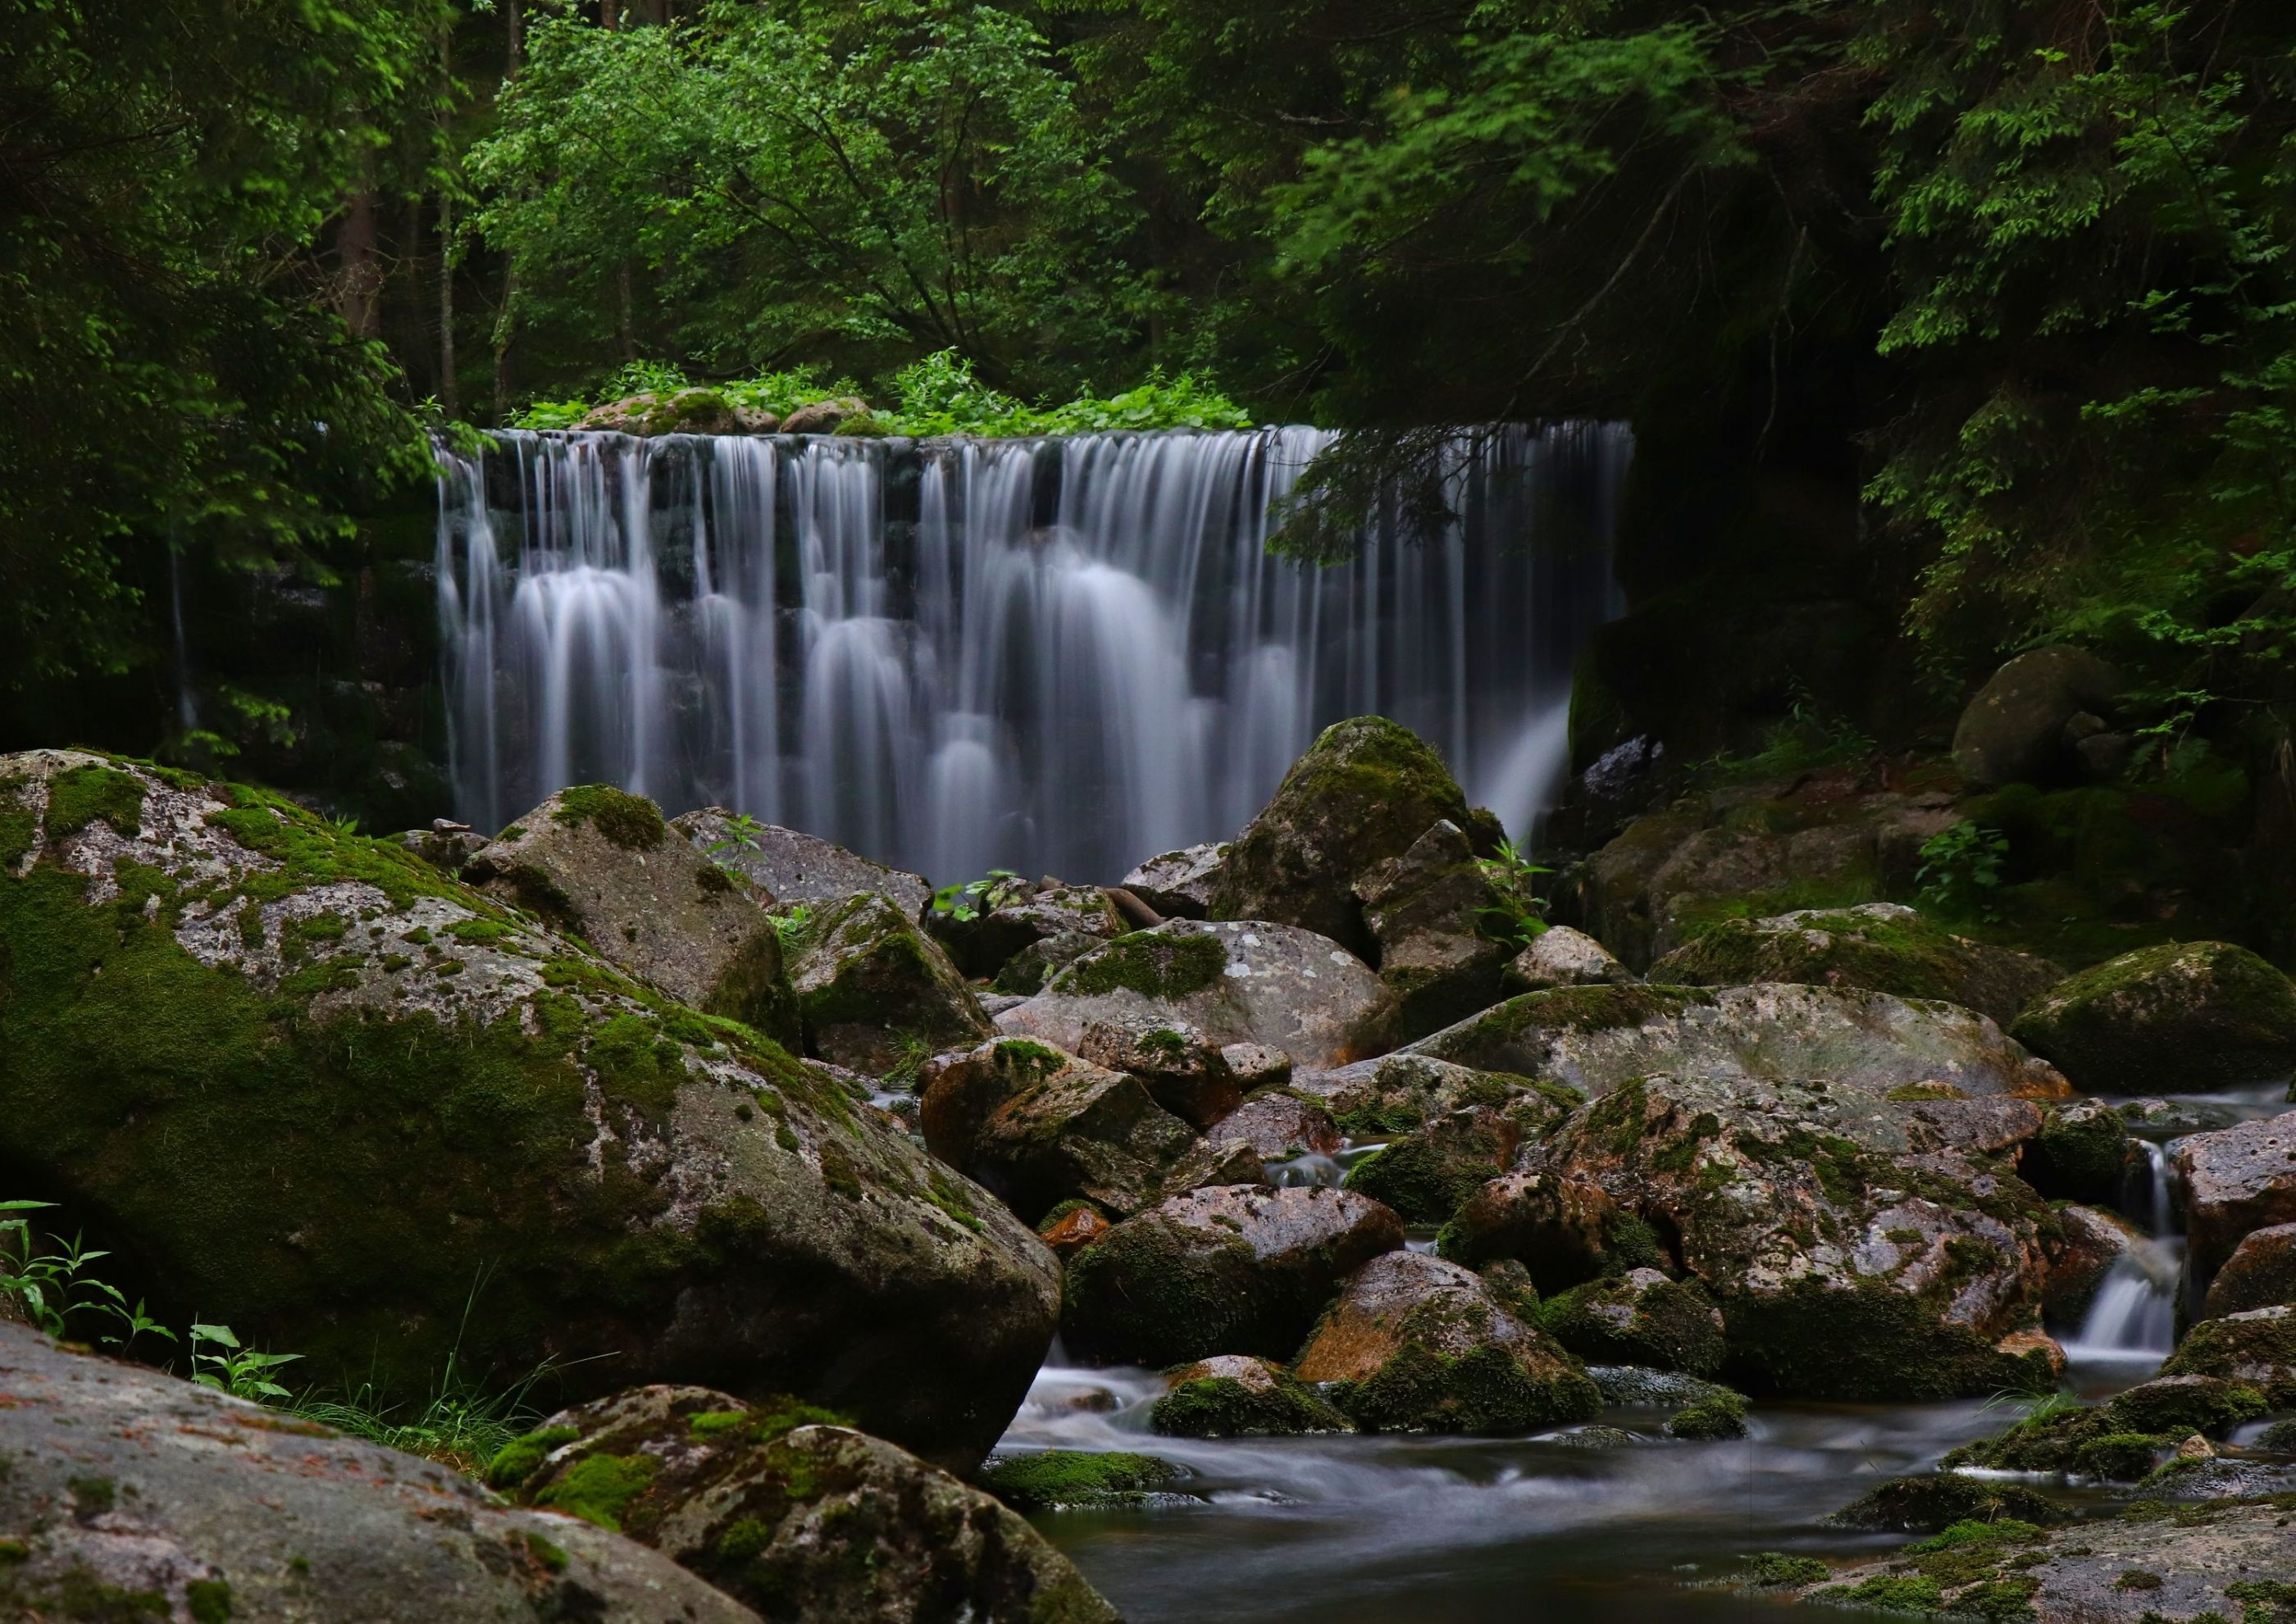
(939, 395)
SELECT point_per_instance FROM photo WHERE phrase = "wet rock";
(2184, 1017)
(1217, 1159)
(2082, 1152)
(1072, 1225)
(1931, 1503)
(1024, 975)
(601, 865)
(1710, 1420)
(1429, 1175)
(2086, 1243)
(1858, 1246)
(1233, 1396)
(1424, 910)
(1024, 917)
(172, 1501)
(1640, 1387)
(2236, 1180)
(217, 1002)
(1640, 1317)
(2255, 1347)
(2260, 1273)
(447, 849)
(1234, 982)
(1036, 1128)
(784, 1509)
(1178, 884)
(1365, 790)
(1230, 1269)
(1879, 947)
(875, 993)
(1401, 1093)
(1073, 1479)
(1188, 1073)
(2122, 1439)
(1417, 1344)
(1595, 1038)
(1257, 1065)
(1280, 1125)
(2014, 731)
(1562, 957)
(795, 869)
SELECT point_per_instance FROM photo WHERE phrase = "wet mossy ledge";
(304, 1083)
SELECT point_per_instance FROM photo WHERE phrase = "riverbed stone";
(1400, 1093)
(795, 869)
(1415, 1344)
(2254, 1346)
(131, 1495)
(2014, 731)
(1562, 957)
(1235, 1396)
(785, 1508)
(2260, 1273)
(1595, 1039)
(1229, 1269)
(2236, 1180)
(601, 864)
(218, 1003)
(1425, 909)
(1639, 1317)
(1364, 793)
(2082, 1152)
(2081, 1249)
(1934, 1502)
(2184, 1017)
(1178, 884)
(1859, 1246)
(1280, 1124)
(1187, 1071)
(1233, 982)
(1027, 917)
(2122, 1439)
(1427, 1175)
(875, 993)
(1881, 947)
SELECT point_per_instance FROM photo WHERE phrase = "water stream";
(1058, 656)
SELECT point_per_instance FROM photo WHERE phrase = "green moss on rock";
(1060, 1480)
(83, 796)
(1160, 966)
(630, 821)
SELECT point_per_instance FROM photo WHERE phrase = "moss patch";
(597, 1487)
(81, 795)
(629, 821)
(1152, 963)
(1069, 1479)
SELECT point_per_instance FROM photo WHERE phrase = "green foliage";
(1516, 913)
(220, 1362)
(1777, 1568)
(967, 901)
(50, 1282)
(1960, 876)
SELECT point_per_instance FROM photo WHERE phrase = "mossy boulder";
(1425, 911)
(795, 869)
(1227, 1270)
(1186, 1071)
(1417, 1344)
(2014, 731)
(689, 411)
(1366, 790)
(1926, 1505)
(231, 1008)
(1594, 1038)
(2235, 1181)
(1235, 1396)
(1429, 1175)
(1562, 957)
(1710, 1420)
(1061, 1129)
(1401, 1093)
(1077, 1480)
(786, 1508)
(2083, 1247)
(875, 993)
(1881, 947)
(1230, 981)
(1639, 1317)
(600, 863)
(2255, 1347)
(174, 1502)
(1025, 917)
(2184, 1017)
(1178, 884)
(2083, 1153)
(1859, 1247)
(2122, 1439)
(2260, 1273)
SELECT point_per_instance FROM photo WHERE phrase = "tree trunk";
(360, 288)
(610, 14)
(505, 330)
(513, 38)
(450, 402)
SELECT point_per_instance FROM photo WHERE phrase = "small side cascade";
(2133, 1320)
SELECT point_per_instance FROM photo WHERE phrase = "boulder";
(1401, 1093)
(2081, 1251)
(688, 410)
(600, 864)
(1424, 910)
(1931, 1504)
(1858, 1246)
(1417, 1344)
(2015, 731)
(1217, 1159)
(1233, 1396)
(1077, 1479)
(846, 413)
(2121, 1439)
(1281, 1125)
(796, 870)
(1178, 884)
(214, 1002)
(2255, 1346)
(1881, 947)
(1235, 1268)
(1023, 975)
(172, 1501)
(1595, 1038)
(1640, 1317)
(444, 848)
(2260, 1273)
(1232, 982)
(2235, 1180)
(1429, 1174)
(1024, 917)
(1365, 790)
(876, 993)
(1562, 957)
(2184, 1017)
(1187, 1071)
(779, 1506)
(2082, 1152)
(1257, 1065)
(1063, 1128)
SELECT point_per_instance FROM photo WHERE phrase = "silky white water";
(1053, 656)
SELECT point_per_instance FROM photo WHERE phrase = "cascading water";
(2133, 1319)
(1059, 655)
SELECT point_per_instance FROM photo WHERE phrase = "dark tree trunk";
(357, 249)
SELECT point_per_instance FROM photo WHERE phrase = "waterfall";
(1054, 656)
(2133, 1319)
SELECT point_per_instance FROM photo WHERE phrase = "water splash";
(1059, 655)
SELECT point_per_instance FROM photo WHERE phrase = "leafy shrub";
(1960, 874)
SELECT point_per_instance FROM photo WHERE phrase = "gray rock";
(1178, 884)
(2260, 1273)
(1640, 1387)
(1187, 1071)
(447, 849)
(131, 1494)
(1401, 1093)
(2014, 731)
(2184, 1017)
(1233, 982)
(1028, 917)
(2235, 1180)
(794, 868)
(826, 416)
(1256, 1065)
(601, 864)
(2088, 1243)
(1280, 1124)
(797, 1518)
(1424, 911)
(875, 993)
(1562, 957)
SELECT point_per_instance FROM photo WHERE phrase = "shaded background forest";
(1947, 328)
